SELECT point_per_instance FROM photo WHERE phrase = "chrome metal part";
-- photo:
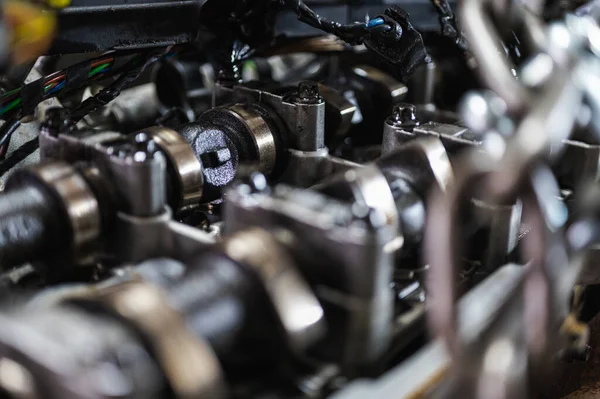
(185, 163)
(140, 169)
(424, 162)
(262, 135)
(303, 119)
(424, 372)
(297, 308)
(362, 294)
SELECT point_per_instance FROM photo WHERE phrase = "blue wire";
(375, 22)
(56, 88)
(62, 84)
(3, 109)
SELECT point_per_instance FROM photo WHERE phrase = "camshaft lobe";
(216, 301)
(215, 298)
(63, 352)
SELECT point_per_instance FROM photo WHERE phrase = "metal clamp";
(264, 141)
(182, 157)
(297, 307)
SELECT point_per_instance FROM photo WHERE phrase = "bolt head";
(308, 93)
(144, 147)
(405, 115)
(140, 148)
(258, 182)
(57, 120)
(253, 182)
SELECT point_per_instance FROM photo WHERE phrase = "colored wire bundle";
(55, 83)
(52, 85)
(125, 80)
(12, 102)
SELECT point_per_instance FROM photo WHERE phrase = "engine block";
(266, 199)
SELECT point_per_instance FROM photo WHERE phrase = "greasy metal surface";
(185, 162)
(189, 364)
(396, 89)
(421, 374)
(78, 201)
(323, 224)
(261, 134)
(297, 307)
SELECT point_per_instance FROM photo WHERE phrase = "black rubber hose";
(29, 228)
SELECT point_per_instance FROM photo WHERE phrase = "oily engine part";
(287, 199)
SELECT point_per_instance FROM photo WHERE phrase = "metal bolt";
(257, 181)
(308, 93)
(143, 148)
(405, 116)
(57, 121)
(253, 182)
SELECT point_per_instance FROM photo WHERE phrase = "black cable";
(352, 33)
(112, 91)
(18, 155)
(448, 23)
(34, 92)
(7, 129)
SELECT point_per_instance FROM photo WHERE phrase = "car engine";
(294, 199)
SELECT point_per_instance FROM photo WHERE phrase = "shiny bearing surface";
(297, 307)
(187, 165)
(261, 133)
(375, 191)
(78, 200)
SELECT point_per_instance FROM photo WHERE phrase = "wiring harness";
(23, 100)
(352, 33)
(390, 36)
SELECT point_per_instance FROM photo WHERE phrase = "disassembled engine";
(266, 199)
